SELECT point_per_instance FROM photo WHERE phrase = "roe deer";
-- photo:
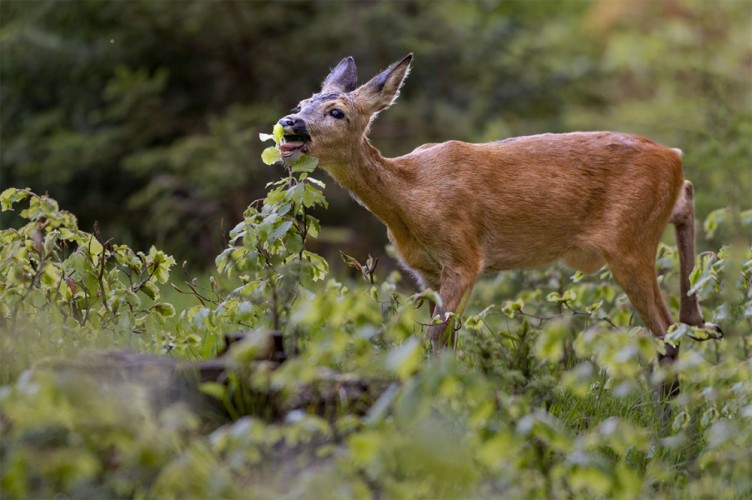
(455, 210)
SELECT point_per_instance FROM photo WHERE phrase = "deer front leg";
(455, 290)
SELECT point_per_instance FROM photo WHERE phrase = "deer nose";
(293, 125)
(290, 121)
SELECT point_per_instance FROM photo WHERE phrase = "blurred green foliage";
(144, 115)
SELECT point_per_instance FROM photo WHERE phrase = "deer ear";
(382, 90)
(343, 78)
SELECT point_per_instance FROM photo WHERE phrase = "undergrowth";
(550, 392)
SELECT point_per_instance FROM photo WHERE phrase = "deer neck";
(376, 181)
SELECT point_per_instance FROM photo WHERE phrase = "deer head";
(332, 124)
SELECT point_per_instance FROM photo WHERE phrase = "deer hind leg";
(638, 280)
(683, 218)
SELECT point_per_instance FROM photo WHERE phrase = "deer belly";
(521, 254)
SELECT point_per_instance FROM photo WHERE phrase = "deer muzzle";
(296, 139)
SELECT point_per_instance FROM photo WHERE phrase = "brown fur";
(456, 210)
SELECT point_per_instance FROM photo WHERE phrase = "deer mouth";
(293, 146)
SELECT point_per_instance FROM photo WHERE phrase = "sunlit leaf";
(271, 155)
(305, 164)
(165, 309)
(278, 132)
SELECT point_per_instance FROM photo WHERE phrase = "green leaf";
(223, 259)
(160, 264)
(322, 185)
(474, 322)
(313, 227)
(712, 221)
(279, 132)
(237, 230)
(294, 243)
(701, 284)
(11, 196)
(192, 339)
(512, 307)
(295, 193)
(592, 309)
(165, 309)
(319, 265)
(709, 417)
(280, 231)
(267, 225)
(305, 164)
(249, 239)
(568, 295)
(312, 197)
(150, 290)
(271, 155)
(681, 421)
(675, 333)
(429, 295)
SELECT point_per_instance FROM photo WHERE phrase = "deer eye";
(296, 109)
(337, 113)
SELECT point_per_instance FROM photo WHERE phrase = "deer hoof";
(712, 332)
